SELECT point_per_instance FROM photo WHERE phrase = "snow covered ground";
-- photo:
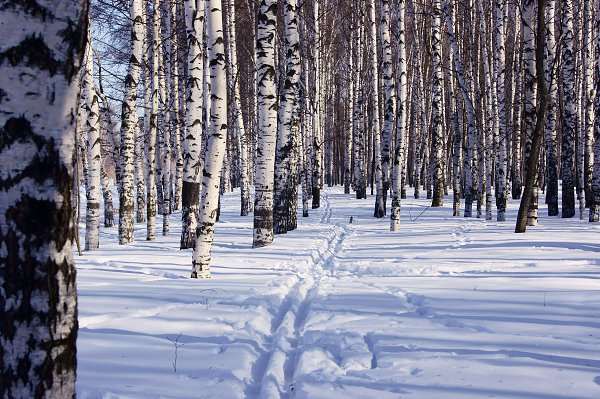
(446, 308)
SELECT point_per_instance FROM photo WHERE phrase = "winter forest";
(300, 199)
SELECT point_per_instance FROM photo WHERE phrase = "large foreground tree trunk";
(43, 41)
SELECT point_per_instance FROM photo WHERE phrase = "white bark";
(92, 127)
(379, 210)
(216, 143)
(437, 106)
(128, 122)
(41, 52)
(286, 181)
(401, 122)
(192, 143)
(500, 17)
(153, 128)
(569, 113)
(267, 124)
(390, 97)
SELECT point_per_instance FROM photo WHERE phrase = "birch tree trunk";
(176, 201)
(529, 113)
(390, 98)
(267, 124)
(523, 217)
(317, 147)
(551, 80)
(216, 141)
(470, 187)
(286, 181)
(360, 182)
(37, 131)
(92, 127)
(379, 210)
(241, 133)
(569, 113)
(128, 122)
(500, 17)
(166, 97)
(595, 205)
(153, 128)
(588, 99)
(400, 124)
(487, 135)
(437, 108)
(140, 181)
(109, 219)
(192, 143)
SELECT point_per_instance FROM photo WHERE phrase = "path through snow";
(446, 308)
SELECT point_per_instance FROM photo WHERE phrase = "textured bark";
(109, 218)
(569, 113)
(92, 130)
(286, 181)
(165, 69)
(267, 124)
(389, 106)
(192, 143)
(595, 205)
(140, 180)
(44, 41)
(128, 123)
(529, 192)
(488, 99)
(589, 88)
(401, 122)
(500, 19)
(551, 120)
(317, 117)
(153, 129)
(530, 98)
(177, 174)
(360, 183)
(216, 141)
(437, 104)
(470, 186)
(244, 162)
(379, 210)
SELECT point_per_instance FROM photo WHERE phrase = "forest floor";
(446, 308)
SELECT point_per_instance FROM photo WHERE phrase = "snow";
(446, 308)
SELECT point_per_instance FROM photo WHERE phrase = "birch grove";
(283, 98)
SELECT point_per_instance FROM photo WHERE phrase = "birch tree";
(551, 120)
(216, 141)
(192, 143)
(389, 106)
(530, 91)
(267, 124)
(437, 104)
(128, 123)
(92, 126)
(595, 205)
(44, 41)
(238, 120)
(569, 113)
(470, 187)
(153, 128)
(379, 211)
(400, 126)
(286, 182)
